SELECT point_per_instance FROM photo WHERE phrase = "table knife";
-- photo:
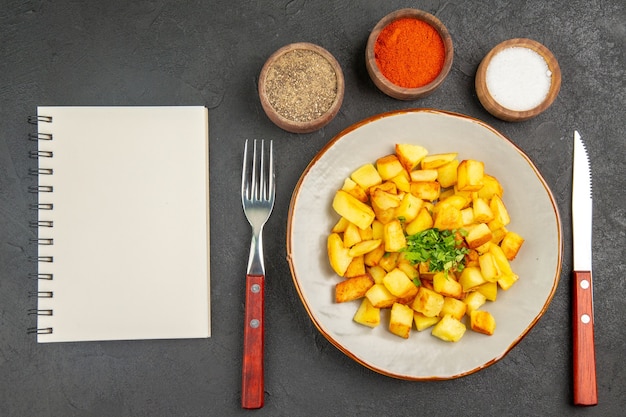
(585, 387)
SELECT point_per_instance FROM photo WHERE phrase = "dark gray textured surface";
(210, 53)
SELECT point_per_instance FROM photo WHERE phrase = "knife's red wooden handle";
(585, 387)
(252, 381)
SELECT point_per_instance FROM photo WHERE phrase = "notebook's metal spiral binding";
(35, 330)
(41, 294)
(39, 136)
(40, 171)
(39, 275)
(37, 224)
(41, 223)
(41, 206)
(40, 154)
(46, 259)
(33, 120)
(40, 189)
(37, 312)
(44, 241)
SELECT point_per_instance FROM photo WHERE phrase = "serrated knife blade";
(585, 385)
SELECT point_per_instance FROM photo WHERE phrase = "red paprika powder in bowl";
(409, 53)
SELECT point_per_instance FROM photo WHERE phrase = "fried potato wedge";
(353, 288)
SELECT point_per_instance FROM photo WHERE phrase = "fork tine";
(261, 189)
(255, 173)
(271, 188)
(244, 172)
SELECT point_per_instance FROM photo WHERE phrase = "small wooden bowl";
(289, 124)
(382, 82)
(496, 108)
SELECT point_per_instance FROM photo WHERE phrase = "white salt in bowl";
(518, 79)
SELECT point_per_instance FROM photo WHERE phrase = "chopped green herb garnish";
(440, 248)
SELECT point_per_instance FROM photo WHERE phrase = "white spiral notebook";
(123, 223)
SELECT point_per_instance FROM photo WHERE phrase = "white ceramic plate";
(534, 215)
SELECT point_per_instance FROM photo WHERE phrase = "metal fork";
(257, 198)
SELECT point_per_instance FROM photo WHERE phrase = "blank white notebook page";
(130, 223)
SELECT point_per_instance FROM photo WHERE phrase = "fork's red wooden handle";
(252, 386)
(585, 387)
